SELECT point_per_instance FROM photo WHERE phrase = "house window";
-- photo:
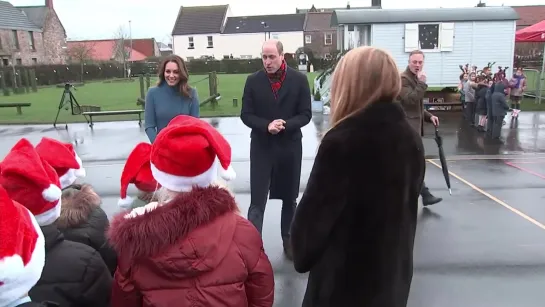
(429, 37)
(328, 38)
(350, 28)
(190, 58)
(210, 42)
(226, 57)
(15, 39)
(34, 61)
(5, 62)
(308, 39)
(31, 40)
(19, 62)
(191, 43)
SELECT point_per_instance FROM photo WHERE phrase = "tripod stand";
(72, 100)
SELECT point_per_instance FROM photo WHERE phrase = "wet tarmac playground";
(483, 246)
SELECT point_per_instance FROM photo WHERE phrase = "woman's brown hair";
(183, 85)
(365, 75)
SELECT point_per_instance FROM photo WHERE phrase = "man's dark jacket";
(283, 150)
(411, 98)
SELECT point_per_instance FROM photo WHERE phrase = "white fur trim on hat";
(50, 216)
(185, 184)
(125, 203)
(18, 279)
(80, 172)
(68, 178)
(52, 193)
(228, 174)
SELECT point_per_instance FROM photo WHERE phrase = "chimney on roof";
(49, 3)
(348, 5)
(376, 3)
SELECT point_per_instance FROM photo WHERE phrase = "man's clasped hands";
(276, 126)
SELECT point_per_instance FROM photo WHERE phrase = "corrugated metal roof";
(36, 14)
(13, 19)
(365, 16)
(275, 23)
(200, 19)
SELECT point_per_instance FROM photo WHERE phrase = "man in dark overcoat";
(275, 105)
(413, 90)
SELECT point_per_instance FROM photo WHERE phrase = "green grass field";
(117, 96)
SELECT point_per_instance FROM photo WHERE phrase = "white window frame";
(445, 37)
(190, 42)
(308, 39)
(330, 38)
(210, 41)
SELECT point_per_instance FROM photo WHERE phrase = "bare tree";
(81, 52)
(120, 52)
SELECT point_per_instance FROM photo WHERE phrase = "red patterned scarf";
(277, 79)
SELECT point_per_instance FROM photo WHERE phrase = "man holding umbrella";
(413, 89)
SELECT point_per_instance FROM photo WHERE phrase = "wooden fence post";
(142, 91)
(213, 87)
(24, 78)
(148, 82)
(33, 81)
(3, 85)
(20, 89)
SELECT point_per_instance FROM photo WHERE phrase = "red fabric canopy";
(533, 33)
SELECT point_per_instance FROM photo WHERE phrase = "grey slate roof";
(364, 16)
(13, 19)
(275, 23)
(36, 14)
(200, 20)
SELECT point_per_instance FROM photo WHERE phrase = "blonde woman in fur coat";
(354, 227)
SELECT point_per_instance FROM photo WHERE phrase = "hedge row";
(56, 74)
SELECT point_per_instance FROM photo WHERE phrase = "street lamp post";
(130, 52)
(265, 26)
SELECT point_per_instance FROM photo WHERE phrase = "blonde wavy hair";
(365, 75)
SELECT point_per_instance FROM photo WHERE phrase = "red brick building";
(31, 35)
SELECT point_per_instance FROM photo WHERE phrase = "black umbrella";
(444, 166)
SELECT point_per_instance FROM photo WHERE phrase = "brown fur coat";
(354, 227)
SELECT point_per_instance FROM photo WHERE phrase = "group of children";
(58, 247)
(484, 97)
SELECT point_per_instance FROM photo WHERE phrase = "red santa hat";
(22, 250)
(186, 154)
(63, 158)
(137, 171)
(32, 182)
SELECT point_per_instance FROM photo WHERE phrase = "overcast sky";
(100, 19)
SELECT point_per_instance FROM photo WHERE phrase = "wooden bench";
(18, 105)
(108, 113)
(449, 105)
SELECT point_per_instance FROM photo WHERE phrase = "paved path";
(483, 246)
